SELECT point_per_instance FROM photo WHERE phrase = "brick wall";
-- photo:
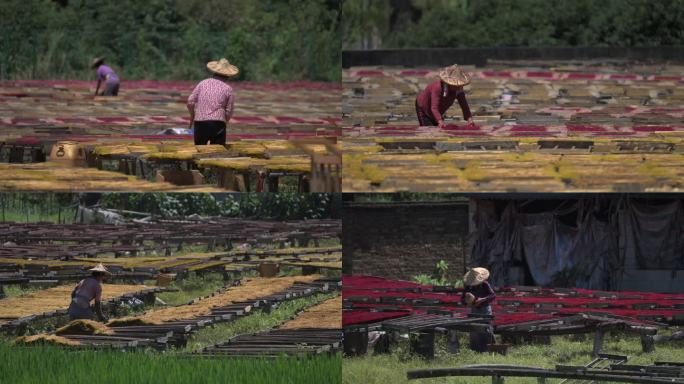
(401, 240)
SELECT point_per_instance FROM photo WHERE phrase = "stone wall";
(401, 240)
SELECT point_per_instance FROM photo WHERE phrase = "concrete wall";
(401, 240)
(479, 56)
(667, 281)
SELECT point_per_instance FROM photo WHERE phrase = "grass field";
(192, 287)
(29, 216)
(391, 368)
(259, 321)
(24, 365)
(57, 365)
(18, 291)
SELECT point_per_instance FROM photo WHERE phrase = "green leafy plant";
(440, 276)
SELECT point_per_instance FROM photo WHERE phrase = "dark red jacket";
(431, 102)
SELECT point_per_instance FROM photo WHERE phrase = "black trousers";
(210, 132)
(111, 89)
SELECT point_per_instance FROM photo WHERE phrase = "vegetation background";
(61, 207)
(270, 40)
(368, 24)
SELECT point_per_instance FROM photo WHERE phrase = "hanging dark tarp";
(654, 234)
(576, 242)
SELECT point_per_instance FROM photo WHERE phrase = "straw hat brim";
(229, 70)
(100, 268)
(454, 77)
(475, 276)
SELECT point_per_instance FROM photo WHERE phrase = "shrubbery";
(487, 23)
(279, 206)
(270, 40)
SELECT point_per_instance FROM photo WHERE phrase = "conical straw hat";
(475, 276)
(100, 268)
(223, 67)
(454, 75)
(96, 62)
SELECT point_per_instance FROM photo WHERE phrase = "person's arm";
(434, 105)
(192, 101)
(192, 115)
(464, 107)
(487, 299)
(98, 86)
(98, 312)
(98, 304)
(230, 105)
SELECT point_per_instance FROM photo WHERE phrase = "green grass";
(259, 321)
(392, 368)
(58, 365)
(17, 291)
(48, 364)
(192, 287)
(23, 216)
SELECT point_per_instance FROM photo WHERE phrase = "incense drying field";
(540, 126)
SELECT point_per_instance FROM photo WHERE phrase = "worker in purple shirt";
(108, 76)
(433, 101)
(478, 294)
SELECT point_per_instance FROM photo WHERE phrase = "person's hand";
(478, 303)
(471, 123)
(441, 124)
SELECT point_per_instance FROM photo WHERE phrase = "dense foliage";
(484, 23)
(280, 206)
(270, 40)
(32, 207)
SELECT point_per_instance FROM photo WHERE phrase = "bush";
(270, 40)
(278, 206)
(487, 23)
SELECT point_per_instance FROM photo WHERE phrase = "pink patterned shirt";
(212, 99)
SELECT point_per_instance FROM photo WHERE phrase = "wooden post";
(423, 344)
(498, 380)
(355, 342)
(453, 344)
(272, 183)
(382, 346)
(647, 343)
(598, 342)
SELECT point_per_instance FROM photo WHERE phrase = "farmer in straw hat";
(439, 96)
(478, 295)
(87, 290)
(108, 76)
(211, 104)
